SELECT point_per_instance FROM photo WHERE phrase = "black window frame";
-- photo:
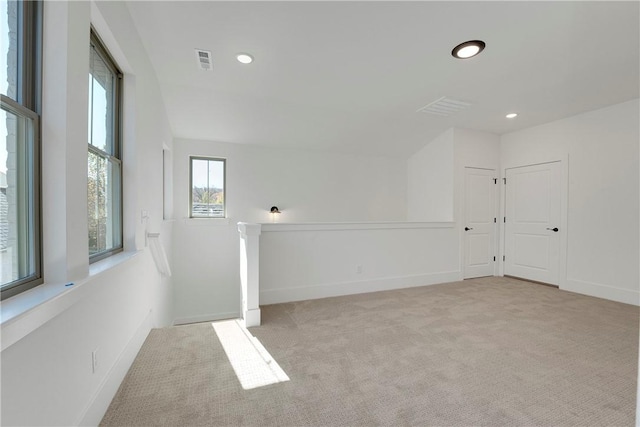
(97, 43)
(224, 187)
(28, 104)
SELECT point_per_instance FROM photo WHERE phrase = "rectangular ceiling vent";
(444, 107)
(204, 59)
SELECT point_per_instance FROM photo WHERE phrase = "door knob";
(554, 229)
(467, 229)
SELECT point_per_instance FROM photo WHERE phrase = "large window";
(207, 176)
(20, 77)
(104, 201)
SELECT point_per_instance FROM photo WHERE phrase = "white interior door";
(479, 222)
(532, 234)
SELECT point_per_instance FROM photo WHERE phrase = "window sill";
(22, 314)
(108, 263)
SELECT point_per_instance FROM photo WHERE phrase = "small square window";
(207, 182)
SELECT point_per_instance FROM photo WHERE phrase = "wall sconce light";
(274, 211)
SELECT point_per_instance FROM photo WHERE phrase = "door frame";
(496, 211)
(564, 193)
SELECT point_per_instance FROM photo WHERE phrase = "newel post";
(249, 272)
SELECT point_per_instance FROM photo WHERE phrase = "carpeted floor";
(491, 352)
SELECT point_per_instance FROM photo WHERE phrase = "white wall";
(476, 149)
(307, 186)
(435, 184)
(430, 184)
(473, 149)
(319, 261)
(603, 193)
(47, 377)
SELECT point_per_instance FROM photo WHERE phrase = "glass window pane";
(216, 187)
(103, 204)
(17, 233)
(9, 48)
(104, 173)
(101, 104)
(207, 188)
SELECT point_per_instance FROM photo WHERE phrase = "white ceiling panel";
(351, 76)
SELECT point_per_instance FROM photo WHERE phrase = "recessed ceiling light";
(511, 115)
(468, 49)
(244, 58)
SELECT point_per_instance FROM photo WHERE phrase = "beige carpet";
(492, 352)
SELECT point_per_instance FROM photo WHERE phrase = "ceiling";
(349, 76)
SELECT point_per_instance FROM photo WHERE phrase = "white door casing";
(532, 222)
(479, 222)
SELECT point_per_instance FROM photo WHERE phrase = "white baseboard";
(97, 407)
(206, 318)
(275, 296)
(602, 291)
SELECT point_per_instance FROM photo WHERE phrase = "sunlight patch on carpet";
(251, 362)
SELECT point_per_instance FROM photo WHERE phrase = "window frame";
(97, 43)
(30, 94)
(28, 104)
(224, 189)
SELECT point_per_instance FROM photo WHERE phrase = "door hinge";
(495, 180)
(503, 257)
(495, 220)
(504, 180)
(504, 219)
(494, 259)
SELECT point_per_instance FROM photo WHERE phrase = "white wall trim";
(269, 227)
(275, 296)
(601, 291)
(206, 318)
(97, 407)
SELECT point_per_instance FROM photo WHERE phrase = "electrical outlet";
(359, 269)
(94, 360)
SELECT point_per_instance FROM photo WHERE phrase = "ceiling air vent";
(204, 59)
(444, 107)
